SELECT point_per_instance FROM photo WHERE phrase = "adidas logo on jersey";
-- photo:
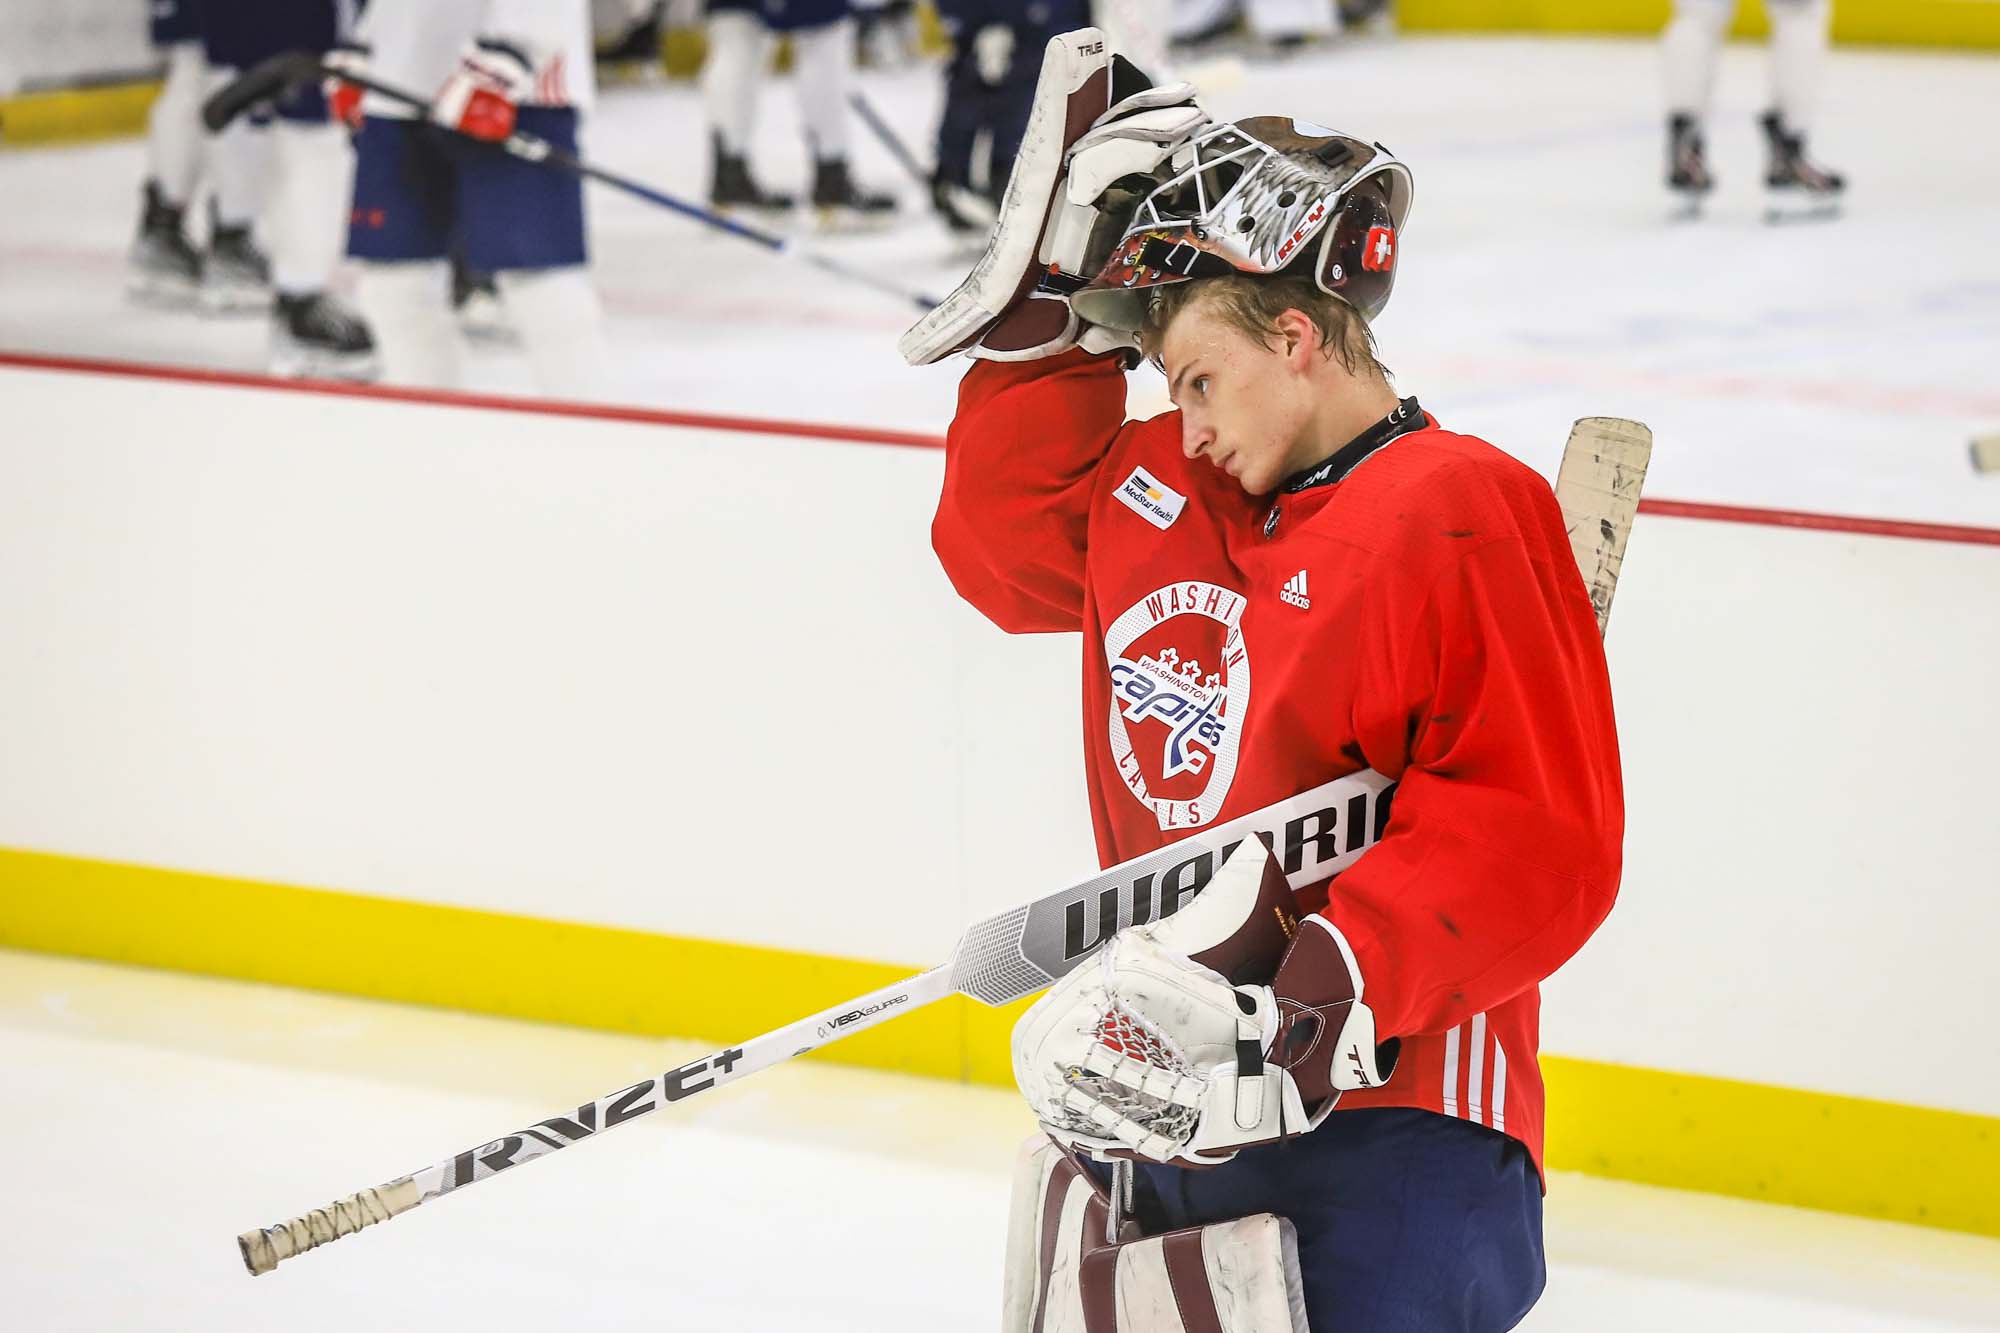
(1294, 592)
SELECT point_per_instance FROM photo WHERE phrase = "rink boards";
(660, 723)
(1960, 23)
(80, 55)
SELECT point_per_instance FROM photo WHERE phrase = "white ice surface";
(1838, 367)
(154, 1116)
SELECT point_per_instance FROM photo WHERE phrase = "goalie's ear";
(1240, 924)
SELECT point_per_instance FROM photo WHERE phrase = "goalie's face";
(1246, 405)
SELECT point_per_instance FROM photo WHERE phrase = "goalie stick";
(1017, 952)
(1986, 453)
(1001, 958)
(1597, 486)
(272, 78)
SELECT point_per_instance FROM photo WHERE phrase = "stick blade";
(1603, 469)
(1986, 454)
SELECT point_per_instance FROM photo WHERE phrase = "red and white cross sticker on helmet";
(1379, 254)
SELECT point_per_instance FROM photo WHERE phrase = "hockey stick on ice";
(891, 140)
(273, 77)
(1015, 953)
(970, 203)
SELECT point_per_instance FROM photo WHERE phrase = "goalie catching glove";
(1165, 1046)
(1098, 124)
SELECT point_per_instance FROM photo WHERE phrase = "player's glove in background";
(483, 95)
(343, 99)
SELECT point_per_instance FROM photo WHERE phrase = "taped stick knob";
(267, 1247)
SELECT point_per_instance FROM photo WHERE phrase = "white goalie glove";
(1149, 1049)
(1096, 121)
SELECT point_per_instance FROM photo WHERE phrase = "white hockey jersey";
(416, 44)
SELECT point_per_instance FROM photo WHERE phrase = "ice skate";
(733, 188)
(475, 304)
(235, 274)
(1223, 27)
(1366, 18)
(841, 205)
(315, 337)
(1795, 188)
(637, 55)
(165, 269)
(1688, 178)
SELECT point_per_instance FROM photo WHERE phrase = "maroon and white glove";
(343, 99)
(1156, 1047)
(1326, 1039)
(484, 93)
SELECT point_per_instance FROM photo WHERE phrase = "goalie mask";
(1264, 195)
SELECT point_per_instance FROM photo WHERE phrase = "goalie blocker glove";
(1229, 1024)
(1097, 120)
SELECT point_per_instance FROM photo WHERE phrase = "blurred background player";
(890, 36)
(627, 35)
(165, 266)
(1284, 24)
(1139, 30)
(989, 88)
(233, 276)
(293, 175)
(425, 190)
(1794, 184)
(739, 53)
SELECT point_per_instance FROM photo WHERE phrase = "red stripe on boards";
(810, 430)
(1792, 518)
(645, 416)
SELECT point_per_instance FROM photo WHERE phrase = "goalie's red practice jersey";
(1421, 616)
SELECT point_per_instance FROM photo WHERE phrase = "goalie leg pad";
(1065, 1275)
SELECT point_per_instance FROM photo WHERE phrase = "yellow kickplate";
(75, 114)
(1779, 1145)
(1967, 24)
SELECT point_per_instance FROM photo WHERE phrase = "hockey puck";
(1986, 453)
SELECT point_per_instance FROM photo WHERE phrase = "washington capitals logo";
(1180, 681)
(1178, 694)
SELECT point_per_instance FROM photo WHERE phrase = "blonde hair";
(1253, 302)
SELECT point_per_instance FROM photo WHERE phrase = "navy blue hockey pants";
(971, 107)
(1000, 110)
(1408, 1221)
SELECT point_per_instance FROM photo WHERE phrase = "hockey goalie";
(1279, 1107)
